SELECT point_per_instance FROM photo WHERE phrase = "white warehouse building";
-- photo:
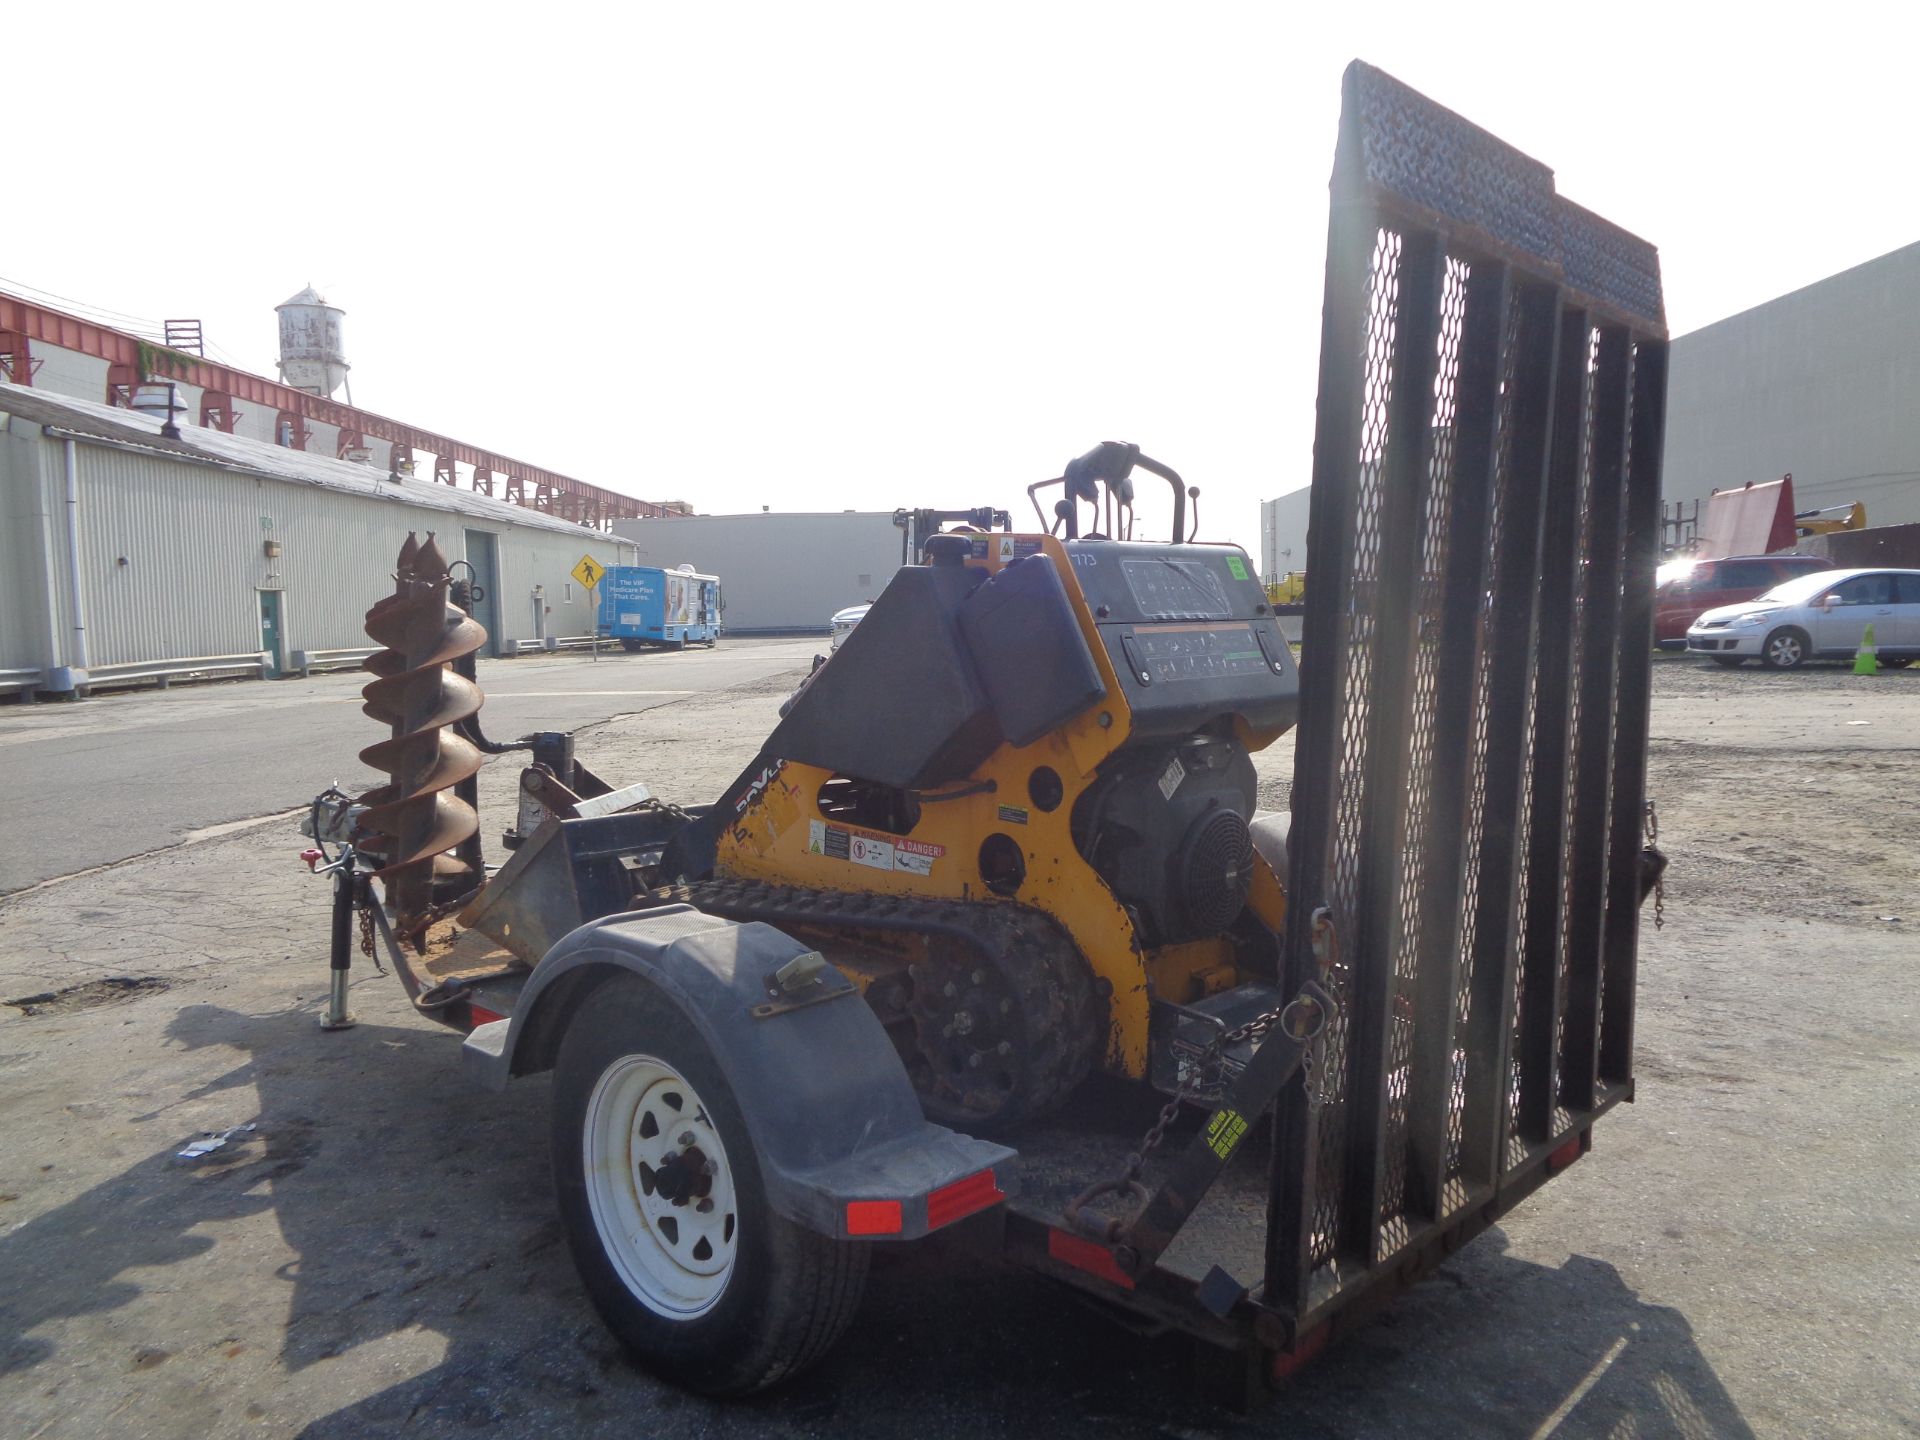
(778, 572)
(125, 554)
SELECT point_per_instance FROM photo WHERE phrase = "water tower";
(311, 355)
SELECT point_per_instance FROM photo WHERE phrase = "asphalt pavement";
(92, 782)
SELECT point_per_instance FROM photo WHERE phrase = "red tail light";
(1087, 1256)
(962, 1198)
(874, 1217)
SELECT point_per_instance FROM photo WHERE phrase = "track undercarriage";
(991, 1007)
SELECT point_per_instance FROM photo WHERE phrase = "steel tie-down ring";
(1098, 1227)
(1305, 1016)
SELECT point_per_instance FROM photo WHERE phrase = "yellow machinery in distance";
(1830, 519)
(1289, 589)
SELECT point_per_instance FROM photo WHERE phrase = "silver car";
(843, 622)
(1823, 616)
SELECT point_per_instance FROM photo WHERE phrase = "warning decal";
(1224, 1130)
(1008, 548)
(877, 854)
(1171, 777)
(837, 842)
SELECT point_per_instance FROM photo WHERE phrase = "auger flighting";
(426, 809)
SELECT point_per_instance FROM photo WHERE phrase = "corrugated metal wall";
(23, 616)
(173, 557)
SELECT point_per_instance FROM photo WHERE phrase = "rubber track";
(1052, 984)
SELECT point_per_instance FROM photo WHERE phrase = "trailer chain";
(1660, 880)
(367, 947)
(1303, 1018)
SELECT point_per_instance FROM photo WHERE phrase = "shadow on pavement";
(411, 1200)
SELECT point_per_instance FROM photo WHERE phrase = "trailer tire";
(633, 647)
(768, 1298)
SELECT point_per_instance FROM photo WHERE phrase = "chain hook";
(1660, 876)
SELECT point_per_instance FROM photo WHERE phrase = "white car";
(843, 622)
(1819, 616)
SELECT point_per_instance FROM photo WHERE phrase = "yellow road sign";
(589, 571)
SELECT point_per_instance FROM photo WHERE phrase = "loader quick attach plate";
(1470, 766)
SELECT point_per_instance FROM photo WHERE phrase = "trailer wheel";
(660, 1193)
(633, 647)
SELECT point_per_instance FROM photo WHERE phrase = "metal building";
(68, 354)
(780, 572)
(1283, 535)
(1821, 384)
(126, 554)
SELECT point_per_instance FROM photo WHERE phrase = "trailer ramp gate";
(1470, 764)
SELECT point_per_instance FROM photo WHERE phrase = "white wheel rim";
(674, 1254)
(1786, 649)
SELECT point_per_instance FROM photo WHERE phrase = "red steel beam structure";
(530, 485)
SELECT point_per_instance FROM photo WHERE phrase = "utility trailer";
(1453, 1004)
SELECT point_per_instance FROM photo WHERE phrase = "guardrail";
(553, 643)
(307, 661)
(22, 682)
(166, 671)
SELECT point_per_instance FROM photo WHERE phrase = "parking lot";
(378, 1252)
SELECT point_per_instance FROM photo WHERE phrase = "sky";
(823, 256)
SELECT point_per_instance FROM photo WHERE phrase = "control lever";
(1110, 463)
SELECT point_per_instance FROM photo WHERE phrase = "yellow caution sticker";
(1224, 1130)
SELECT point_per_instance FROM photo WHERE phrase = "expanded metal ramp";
(1469, 774)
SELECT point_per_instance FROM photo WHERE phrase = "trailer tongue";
(1383, 1024)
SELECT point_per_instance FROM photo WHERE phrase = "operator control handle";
(1113, 462)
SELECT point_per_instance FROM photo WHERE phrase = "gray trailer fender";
(828, 1104)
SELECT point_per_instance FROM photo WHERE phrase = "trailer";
(644, 605)
(1411, 1000)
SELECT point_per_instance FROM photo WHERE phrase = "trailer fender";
(832, 1114)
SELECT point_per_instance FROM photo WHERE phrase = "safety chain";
(1309, 1019)
(1303, 1019)
(1659, 880)
(367, 947)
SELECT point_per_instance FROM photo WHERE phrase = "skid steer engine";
(1017, 804)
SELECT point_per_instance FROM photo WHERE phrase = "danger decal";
(876, 852)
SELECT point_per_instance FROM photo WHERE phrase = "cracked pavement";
(380, 1255)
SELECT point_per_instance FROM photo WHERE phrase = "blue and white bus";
(641, 605)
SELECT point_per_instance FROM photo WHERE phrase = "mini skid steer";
(995, 895)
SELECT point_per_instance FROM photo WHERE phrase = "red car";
(1686, 589)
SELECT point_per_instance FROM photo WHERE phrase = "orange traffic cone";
(1866, 660)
